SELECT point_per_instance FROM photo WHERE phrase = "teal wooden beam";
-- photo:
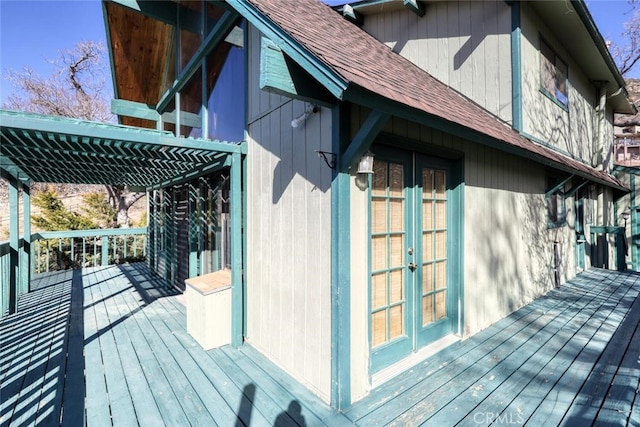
(281, 75)
(236, 251)
(340, 269)
(415, 6)
(558, 186)
(352, 15)
(372, 126)
(222, 28)
(576, 187)
(25, 272)
(95, 133)
(14, 245)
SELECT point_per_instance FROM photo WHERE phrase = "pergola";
(37, 148)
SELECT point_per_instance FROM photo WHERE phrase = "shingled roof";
(363, 63)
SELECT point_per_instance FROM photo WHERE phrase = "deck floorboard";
(109, 346)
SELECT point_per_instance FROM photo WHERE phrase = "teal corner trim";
(236, 251)
(635, 250)
(244, 246)
(516, 66)
(340, 271)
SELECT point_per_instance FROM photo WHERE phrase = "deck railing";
(62, 250)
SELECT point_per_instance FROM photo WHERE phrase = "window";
(556, 209)
(553, 75)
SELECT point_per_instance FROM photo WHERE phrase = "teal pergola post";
(14, 244)
(194, 230)
(25, 272)
(236, 250)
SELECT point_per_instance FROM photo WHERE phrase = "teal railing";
(62, 250)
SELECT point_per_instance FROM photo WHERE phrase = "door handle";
(412, 266)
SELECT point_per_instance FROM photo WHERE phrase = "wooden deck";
(108, 346)
(127, 334)
(570, 358)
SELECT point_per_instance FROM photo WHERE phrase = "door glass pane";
(378, 252)
(378, 207)
(396, 180)
(427, 309)
(396, 222)
(378, 328)
(395, 283)
(396, 321)
(379, 180)
(427, 278)
(379, 290)
(396, 250)
(441, 244)
(441, 275)
(427, 214)
(441, 301)
(441, 214)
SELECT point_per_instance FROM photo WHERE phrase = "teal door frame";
(416, 336)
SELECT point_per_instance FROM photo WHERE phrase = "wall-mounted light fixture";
(625, 217)
(329, 158)
(298, 121)
(366, 163)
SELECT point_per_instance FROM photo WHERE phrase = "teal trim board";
(236, 251)
(635, 227)
(516, 66)
(281, 75)
(340, 269)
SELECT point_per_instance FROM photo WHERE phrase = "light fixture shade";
(366, 163)
(625, 215)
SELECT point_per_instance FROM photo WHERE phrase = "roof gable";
(356, 67)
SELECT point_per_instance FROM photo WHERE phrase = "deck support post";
(14, 243)
(25, 265)
(236, 250)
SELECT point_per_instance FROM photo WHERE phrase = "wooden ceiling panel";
(142, 48)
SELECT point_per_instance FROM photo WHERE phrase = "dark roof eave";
(364, 97)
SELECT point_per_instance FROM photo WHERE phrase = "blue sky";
(34, 30)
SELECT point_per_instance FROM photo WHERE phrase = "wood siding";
(464, 44)
(288, 233)
(572, 130)
(508, 248)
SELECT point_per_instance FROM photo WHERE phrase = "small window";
(556, 211)
(553, 75)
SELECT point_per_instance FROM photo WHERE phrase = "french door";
(413, 282)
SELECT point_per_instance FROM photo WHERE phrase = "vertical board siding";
(288, 233)
(571, 131)
(468, 45)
